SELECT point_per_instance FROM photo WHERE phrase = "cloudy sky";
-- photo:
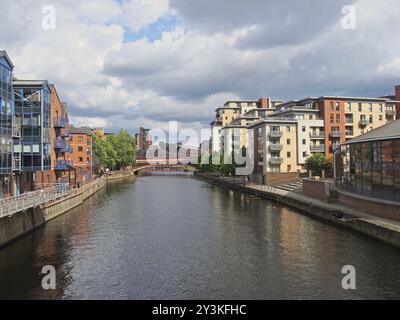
(131, 63)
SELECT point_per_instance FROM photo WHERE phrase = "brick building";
(81, 143)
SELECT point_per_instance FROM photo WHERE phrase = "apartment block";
(238, 114)
(143, 142)
(81, 156)
(62, 168)
(33, 115)
(275, 148)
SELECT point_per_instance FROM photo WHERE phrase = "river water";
(177, 237)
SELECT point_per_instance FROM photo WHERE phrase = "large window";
(371, 169)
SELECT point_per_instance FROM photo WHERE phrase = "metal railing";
(391, 112)
(335, 134)
(315, 135)
(275, 134)
(63, 164)
(275, 147)
(276, 160)
(319, 148)
(60, 122)
(364, 122)
(17, 163)
(10, 206)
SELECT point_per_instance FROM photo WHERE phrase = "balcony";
(63, 165)
(61, 145)
(275, 134)
(319, 148)
(335, 134)
(275, 147)
(363, 122)
(65, 133)
(60, 122)
(315, 135)
(16, 131)
(391, 112)
(349, 120)
(276, 160)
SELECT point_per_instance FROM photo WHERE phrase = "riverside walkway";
(377, 227)
(10, 206)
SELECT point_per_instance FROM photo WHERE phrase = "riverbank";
(378, 228)
(21, 223)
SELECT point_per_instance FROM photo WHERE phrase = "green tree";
(316, 163)
(124, 145)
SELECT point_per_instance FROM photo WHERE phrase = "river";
(177, 237)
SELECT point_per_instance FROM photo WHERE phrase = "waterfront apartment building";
(81, 156)
(344, 117)
(6, 126)
(33, 115)
(62, 169)
(238, 114)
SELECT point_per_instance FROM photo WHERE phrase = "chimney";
(264, 103)
(397, 97)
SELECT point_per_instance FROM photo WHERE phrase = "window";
(289, 168)
(338, 118)
(80, 138)
(288, 141)
(305, 154)
(380, 117)
(304, 141)
(360, 107)
(303, 129)
(80, 149)
(80, 159)
(331, 105)
(289, 154)
(288, 128)
(348, 106)
(332, 118)
(337, 106)
(371, 119)
(370, 107)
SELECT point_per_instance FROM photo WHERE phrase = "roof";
(82, 130)
(386, 132)
(3, 54)
(31, 83)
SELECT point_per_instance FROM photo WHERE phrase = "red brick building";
(81, 154)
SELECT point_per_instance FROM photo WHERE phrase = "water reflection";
(175, 237)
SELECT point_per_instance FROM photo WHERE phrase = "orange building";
(61, 165)
(81, 155)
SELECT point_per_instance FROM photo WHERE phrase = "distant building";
(143, 142)
(81, 142)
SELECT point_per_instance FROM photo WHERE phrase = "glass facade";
(370, 169)
(6, 116)
(33, 114)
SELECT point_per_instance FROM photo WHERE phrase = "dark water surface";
(176, 237)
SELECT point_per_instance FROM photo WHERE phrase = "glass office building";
(370, 164)
(33, 114)
(6, 123)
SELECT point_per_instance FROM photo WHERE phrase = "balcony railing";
(349, 120)
(364, 122)
(16, 131)
(315, 135)
(276, 160)
(335, 134)
(61, 145)
(275, 134)
(391, 112)
(275, 147)
(60, 122)
(320, 148)
(62, 165)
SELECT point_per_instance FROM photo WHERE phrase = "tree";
(124, 145)
(316, 163)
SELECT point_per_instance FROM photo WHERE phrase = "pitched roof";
(82, 130)
(388, 131)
